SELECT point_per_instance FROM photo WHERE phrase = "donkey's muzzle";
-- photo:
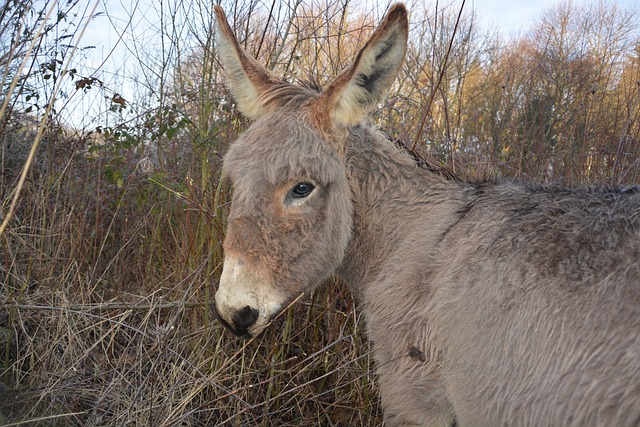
(245, 318)
(240, 322)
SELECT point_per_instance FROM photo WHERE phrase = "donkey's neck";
(396, 205)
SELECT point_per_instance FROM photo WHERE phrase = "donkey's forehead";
(281, 147)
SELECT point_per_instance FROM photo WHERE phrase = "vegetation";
(113, 206)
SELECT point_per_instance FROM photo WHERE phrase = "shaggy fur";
(488, 304)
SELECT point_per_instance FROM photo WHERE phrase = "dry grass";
(154, 363)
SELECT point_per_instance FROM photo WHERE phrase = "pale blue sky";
(507, 16)
(517, 16)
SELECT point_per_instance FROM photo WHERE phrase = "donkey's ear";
(247, 78)
(360, 87)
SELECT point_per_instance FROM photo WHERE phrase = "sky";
(511, 17)
(508, 17)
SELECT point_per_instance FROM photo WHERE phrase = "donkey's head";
(291, 212)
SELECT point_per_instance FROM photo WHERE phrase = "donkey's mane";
(423, 163)
(287, 95)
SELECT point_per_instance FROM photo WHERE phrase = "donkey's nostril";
(245, 318)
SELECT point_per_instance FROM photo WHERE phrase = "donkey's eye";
(301, 190)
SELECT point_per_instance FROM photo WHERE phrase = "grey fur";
(488, 304)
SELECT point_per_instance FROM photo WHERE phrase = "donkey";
(487, 303)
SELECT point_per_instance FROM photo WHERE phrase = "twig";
(49, 417)
(107, 306)
(440, 77)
